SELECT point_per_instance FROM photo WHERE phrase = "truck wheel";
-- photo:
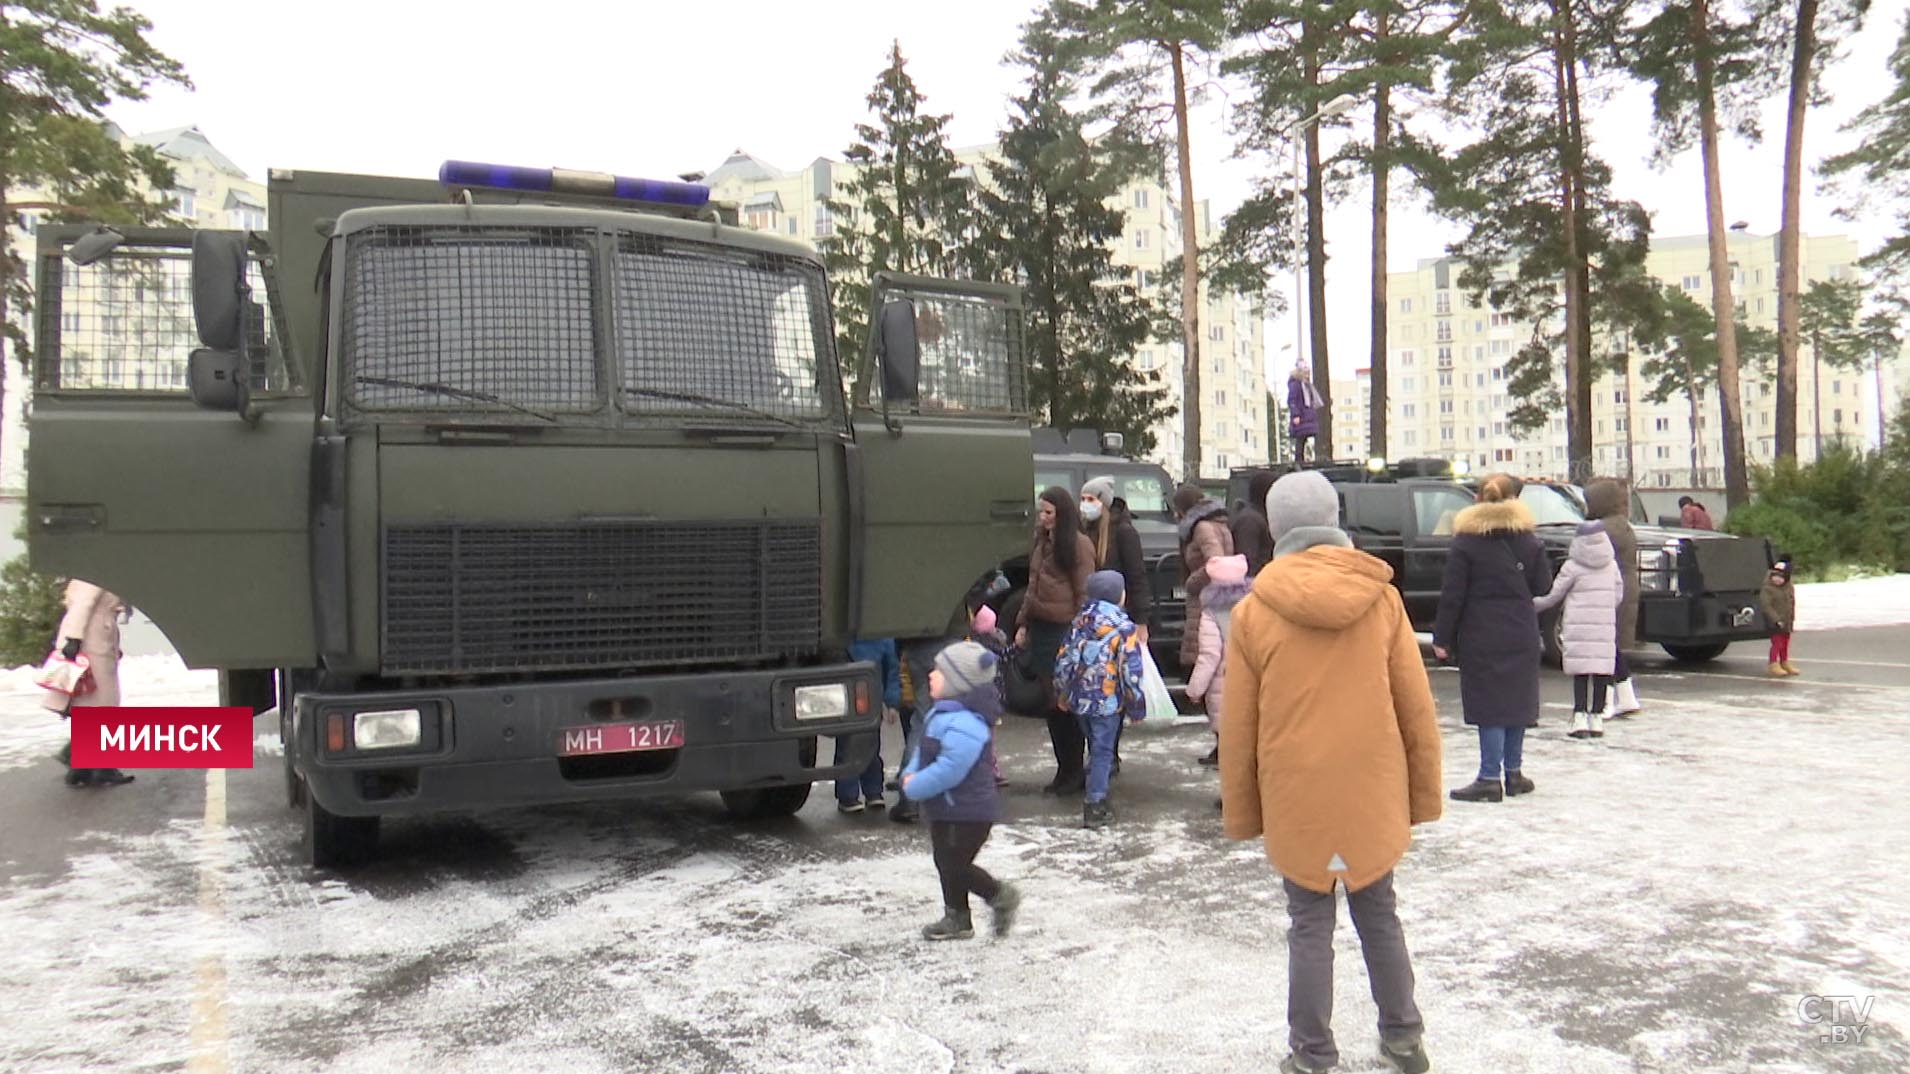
(332, 841)
(1695, 654)
(767, 802)
(294, 786)
(1552, 634)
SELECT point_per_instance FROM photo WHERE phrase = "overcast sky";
(397, 86)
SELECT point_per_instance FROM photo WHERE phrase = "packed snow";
(1861, 602)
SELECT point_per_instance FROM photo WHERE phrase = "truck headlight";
(1654, 570)
(386, 730)
(821, 701)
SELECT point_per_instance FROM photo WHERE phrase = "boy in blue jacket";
(1098, 678)
(952, 777)
(852, 795)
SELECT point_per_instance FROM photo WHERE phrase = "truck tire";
(1552, 637)
(332, 841)
(1695, 654)
(767, 802)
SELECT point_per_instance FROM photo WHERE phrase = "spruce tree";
(62, 62)
(1050, 214)
(905, 210)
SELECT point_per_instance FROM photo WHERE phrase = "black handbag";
(1024, 692)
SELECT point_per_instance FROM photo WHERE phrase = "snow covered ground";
(1661, 904)
(1863, 602)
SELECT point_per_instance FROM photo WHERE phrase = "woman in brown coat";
(1605, 501)
(91, 627)
(1058, 569)
(1330, 751)
(1204, 535)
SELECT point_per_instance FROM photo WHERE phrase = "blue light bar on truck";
(562, 181)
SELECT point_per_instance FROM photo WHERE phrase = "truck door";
(1434, 506)
(944, 458)
(194, 516)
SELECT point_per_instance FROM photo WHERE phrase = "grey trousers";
(1389, 969)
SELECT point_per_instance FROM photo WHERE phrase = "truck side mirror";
(216, 379)
(899, 350)
(218, 285)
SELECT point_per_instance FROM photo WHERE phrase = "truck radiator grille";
(468, 598)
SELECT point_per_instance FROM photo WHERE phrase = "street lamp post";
(1338, 106)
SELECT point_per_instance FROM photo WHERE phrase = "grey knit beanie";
(1101, 488)
(1106, 585)
(1304, 498)
(967, 667)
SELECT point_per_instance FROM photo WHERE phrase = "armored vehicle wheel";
(767, 802)
(1695, 654)
(332, 841)
(294, 786)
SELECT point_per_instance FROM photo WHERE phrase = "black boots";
(89, 777)
(1516, 783)
(1479, 790)
(1213, 757)
(954, 925)
(1066, 783)
(1004, 905)
(1097, 815)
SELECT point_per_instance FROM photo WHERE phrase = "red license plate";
(620, 738)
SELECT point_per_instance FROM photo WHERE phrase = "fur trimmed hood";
(1506, 516)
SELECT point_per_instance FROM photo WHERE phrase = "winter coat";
(1780, 605)
(1208, 681)
(953, 772)
(1693, 516)
(1203, 535)
(93, 615)
(1124, 554)
(1054, 593)
(1486, 618)
(1099, 670)
(888, 667)
(1605, 501)
(1592, 589)
(1329, 742)
(1303, 415)
(1253, 538)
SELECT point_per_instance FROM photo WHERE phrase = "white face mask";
(1091, 510)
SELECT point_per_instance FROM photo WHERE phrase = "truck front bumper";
(1703, 619)
(491, 746)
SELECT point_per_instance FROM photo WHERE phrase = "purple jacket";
(1302, 418)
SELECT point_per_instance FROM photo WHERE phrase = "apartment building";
(137, 351)
(1233, 347)
(1448, 395)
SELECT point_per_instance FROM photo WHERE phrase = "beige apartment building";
(1352, 402)
(1447, 395)
(1233, 348)
(146, 351)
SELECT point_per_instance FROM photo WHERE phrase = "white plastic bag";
(1159, 702)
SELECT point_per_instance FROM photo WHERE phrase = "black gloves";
(71, 649)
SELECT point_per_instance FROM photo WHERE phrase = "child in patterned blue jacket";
(1098, 678)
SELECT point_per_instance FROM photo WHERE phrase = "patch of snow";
(1861, 602)
(32, 733)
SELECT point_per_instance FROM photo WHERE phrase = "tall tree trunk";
(1697, 434)
(1817, 397)
(1189, 277)
(1737, 488)
(1316, 271)
(1382, 174)
(6, 292)
(1789, 272)
(1578, 385)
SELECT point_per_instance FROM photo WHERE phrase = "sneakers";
(954, 925)
(1516, 783)
(1097, 815)
(1595, 724)
(1004, 905)
(1581, 725)
(1479, 790)
(1406, 1058)
(876, 803)
(851, 806)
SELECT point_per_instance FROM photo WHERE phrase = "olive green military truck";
(523, 486)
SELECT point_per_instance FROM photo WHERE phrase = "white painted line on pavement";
(209, 1040)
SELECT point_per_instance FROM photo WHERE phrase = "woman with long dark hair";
(1058, 567)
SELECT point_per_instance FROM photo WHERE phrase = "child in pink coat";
(1226, 585)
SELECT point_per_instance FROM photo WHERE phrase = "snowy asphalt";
(1667, 901)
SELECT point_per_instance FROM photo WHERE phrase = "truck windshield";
(487, 323)
(1553, 505)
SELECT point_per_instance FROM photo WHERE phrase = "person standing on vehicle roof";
(1605, 501)
(1204, 535)
(1488, 624)
(1303, 411)
(1059, 564)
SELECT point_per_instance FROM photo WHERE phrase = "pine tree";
(1051, 226)
(62, 62)
(1880, 164)
(1703, 60)
(906, 210)
(1149, 51)
(1547, 240)
(1678, 337)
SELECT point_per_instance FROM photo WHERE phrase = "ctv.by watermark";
(1837, 1019)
